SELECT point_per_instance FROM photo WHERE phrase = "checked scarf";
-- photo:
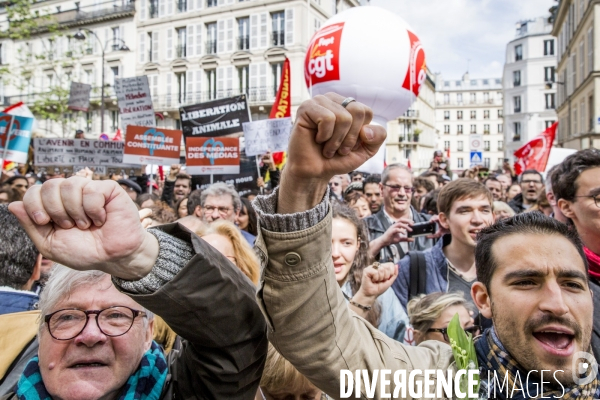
(146, 383)
(493, 357)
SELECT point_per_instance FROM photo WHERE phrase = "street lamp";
(80, 36)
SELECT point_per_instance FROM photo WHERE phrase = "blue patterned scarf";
(146, 383)
(493, 357)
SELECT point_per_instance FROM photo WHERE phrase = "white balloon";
(372, 55)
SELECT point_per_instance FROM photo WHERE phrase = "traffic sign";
(476, 142)
(476, 158)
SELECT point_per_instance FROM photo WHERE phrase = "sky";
(461, 35)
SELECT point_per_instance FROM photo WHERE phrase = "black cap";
(130, 184)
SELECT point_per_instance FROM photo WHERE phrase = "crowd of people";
(108, 291)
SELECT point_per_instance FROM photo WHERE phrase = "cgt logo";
(416, 74)
(322, 58)
(584, 368)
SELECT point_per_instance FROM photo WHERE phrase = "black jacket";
(378, 224)
(517, 204)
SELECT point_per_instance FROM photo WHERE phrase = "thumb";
(37, 233)
(372, 137)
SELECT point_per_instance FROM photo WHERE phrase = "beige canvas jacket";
(309, 322)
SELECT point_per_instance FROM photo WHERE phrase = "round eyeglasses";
(68, 323)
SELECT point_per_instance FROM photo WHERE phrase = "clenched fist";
(327, 139)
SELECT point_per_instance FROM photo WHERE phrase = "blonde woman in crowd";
(281, 381)
(227, 239)
(502, 211)
(430, 315)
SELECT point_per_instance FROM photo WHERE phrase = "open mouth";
(556, 342)
(88, 365)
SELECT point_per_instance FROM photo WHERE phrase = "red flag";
(534, 154)
(282, 107)
(448, 153)
(118, 136)
(408, 164)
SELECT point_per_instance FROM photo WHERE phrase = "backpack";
(417, 273)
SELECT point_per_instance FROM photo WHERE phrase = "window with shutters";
(276, 68)
(500, 145)
(116, 38)
(181, 47)
(549, 74)
(473, 98)
(473, 114)
(182, 6)
(459, 115)
(517, 104)
(2, 50)
(499, 113)
(459, 129)
(486, 129)
(114, 74)
(516, 78)
(278, 19)
(150, 46)
(486, 162)
(548, 124)
(486, 145)
(211, 80)
(518, 52)
(211, 3)
(153, 8)
(516, 131)
(473, 128)
(459, 145)
(180, 91)
(244, 78)
(486, 97)
(211, 38)
(549, 47)
(446, 128)
(446, 114)
(500, 128)
(459, 98)
(460, 162)
(114, 119)
(486, 114)
(88, 77)
(446, 98)
(243, 33)
(446, 145)
(317, 25)
(549, 101)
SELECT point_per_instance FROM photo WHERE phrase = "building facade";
(191, 50)
(529, 83)
(413, 136)
(576, 23)
(470, 106)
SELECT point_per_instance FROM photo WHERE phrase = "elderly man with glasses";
(96, 325)
(220, 201)
(388, 228)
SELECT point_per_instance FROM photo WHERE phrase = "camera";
(422, 229)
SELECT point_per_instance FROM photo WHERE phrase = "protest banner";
(107, 170)
(206, 156)
(147, 145)
(267, 135)
(215, 118)
(135, 102)
(79, 96)
(18, 139)
(72, 152)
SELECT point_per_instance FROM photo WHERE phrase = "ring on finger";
(347, 101)
(376, 265)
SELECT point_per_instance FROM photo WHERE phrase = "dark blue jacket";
(12, 301)
(437, 272)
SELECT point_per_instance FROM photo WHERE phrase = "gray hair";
(18, 254)
(63, 281)
(222, 189)
(385, 175)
